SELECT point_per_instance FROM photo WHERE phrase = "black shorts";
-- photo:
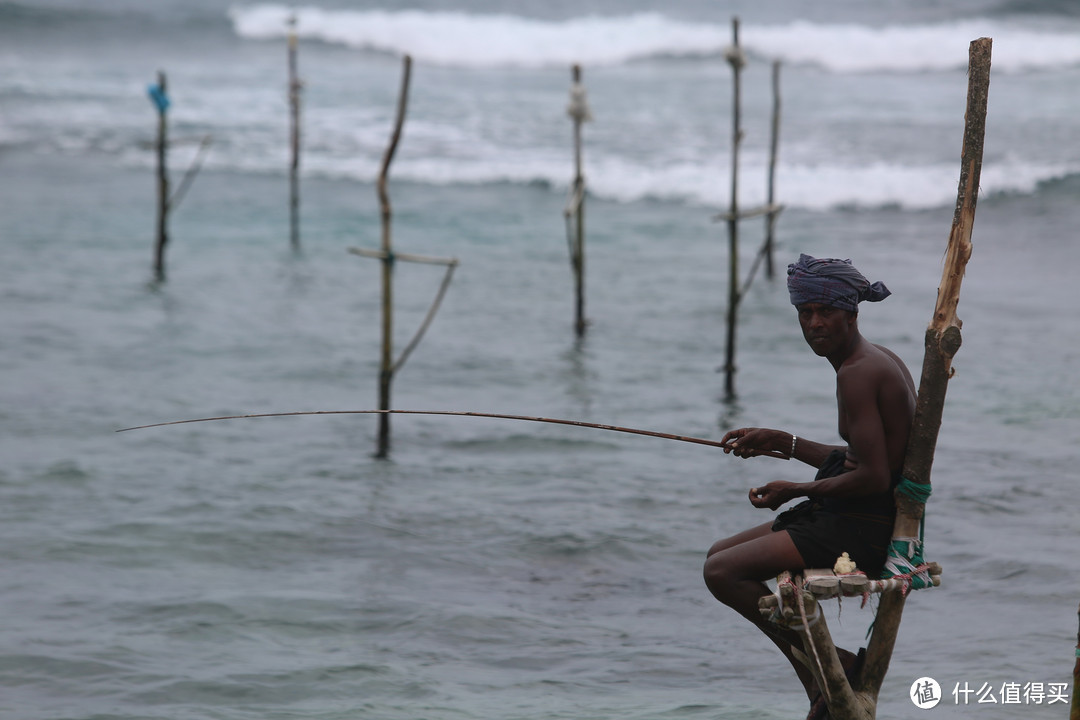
(821, 535)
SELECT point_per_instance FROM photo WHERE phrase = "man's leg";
(746, 535)
(735, 572)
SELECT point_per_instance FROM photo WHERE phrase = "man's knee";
(719, 574)
(718, 546)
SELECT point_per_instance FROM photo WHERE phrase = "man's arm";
(857, 391)
(751, 442)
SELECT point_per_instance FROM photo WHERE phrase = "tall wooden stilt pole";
(1074, 714)
(295, 86)
(942, 341)
(770, 201)
(579, 188)
(575, 209)
(388, 258)
(736, 290)
(161, 100)
(386, 374)
(735, 58)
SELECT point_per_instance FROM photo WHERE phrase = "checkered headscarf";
(831, 282)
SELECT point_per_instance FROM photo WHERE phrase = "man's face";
(827, 329)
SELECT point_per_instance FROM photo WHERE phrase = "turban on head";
(831, 282)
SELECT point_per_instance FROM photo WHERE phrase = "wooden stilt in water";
(1074, 714)
(388, 367)
(295, 86)
(166, 202)
(856, 698)
(578, 110)
(735, 57)
(386, 372)
(770, 200)
(943, 339)
(160, 98)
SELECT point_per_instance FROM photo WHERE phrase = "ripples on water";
(272, 569)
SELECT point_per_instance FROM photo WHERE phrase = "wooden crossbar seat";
(828, 584)
(822, 584)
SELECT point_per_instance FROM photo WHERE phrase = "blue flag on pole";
(158, 97)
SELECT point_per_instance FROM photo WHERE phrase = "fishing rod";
(455, 413)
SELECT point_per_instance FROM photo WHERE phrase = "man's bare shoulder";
(899, 366)
(890, 353)
(877, 365)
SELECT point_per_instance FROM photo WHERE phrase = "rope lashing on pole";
(906, 561)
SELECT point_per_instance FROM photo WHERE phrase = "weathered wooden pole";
(386, 374)
(295, 86)
(856, 699)
(166, 202)
(160, 98)
(389, 258)
(1074, 714)
(735, 57)
(578, 110)
(770, 201)
(943, 339)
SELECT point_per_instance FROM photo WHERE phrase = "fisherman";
(849, 506)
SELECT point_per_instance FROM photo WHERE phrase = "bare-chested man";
(849, 506)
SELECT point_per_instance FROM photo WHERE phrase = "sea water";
(490, 569)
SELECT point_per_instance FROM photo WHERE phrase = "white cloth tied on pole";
(735, 56)
(578, 108)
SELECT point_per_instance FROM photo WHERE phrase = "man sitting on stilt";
(849, 506)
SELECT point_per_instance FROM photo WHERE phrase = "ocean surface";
(271, 569)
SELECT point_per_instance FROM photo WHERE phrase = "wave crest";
(466, 40)
(479, 41)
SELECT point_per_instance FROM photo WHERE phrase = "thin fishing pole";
(527, 418)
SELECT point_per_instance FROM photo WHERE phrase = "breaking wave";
(481, 41)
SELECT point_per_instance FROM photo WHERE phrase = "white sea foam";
(467, 40)
(348, 144)
(814, 187)
(822, 187)
(915, 48)
(468, 130)
(474, 40)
